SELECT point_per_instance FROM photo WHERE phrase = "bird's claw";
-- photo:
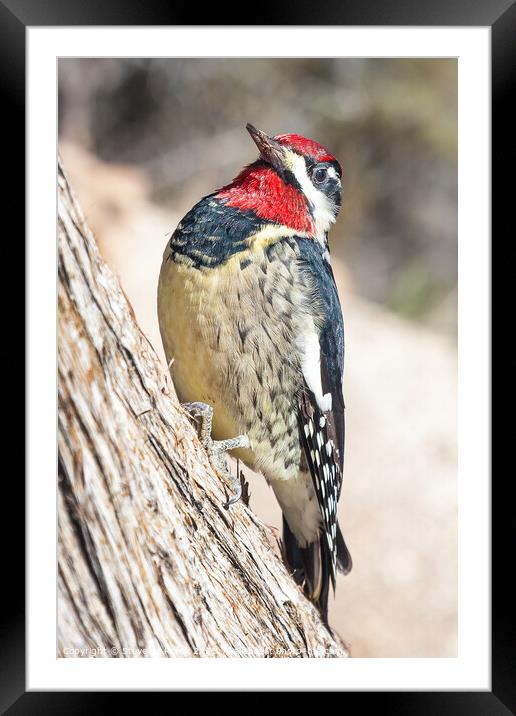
(217, 449)
(236, 497)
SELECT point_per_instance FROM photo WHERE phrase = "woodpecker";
(251, 323)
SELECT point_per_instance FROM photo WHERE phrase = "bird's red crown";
(260, 188)
(306, 147)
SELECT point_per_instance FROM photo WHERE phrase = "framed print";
(269, 237)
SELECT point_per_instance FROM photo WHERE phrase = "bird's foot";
(217, 449)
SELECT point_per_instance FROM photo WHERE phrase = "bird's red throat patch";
(261, 190)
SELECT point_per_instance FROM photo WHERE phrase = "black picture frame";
(15, 17)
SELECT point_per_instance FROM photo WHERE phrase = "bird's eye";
(320, 174)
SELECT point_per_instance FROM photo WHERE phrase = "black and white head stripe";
(320, 182)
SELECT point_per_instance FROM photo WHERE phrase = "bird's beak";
(271, 151)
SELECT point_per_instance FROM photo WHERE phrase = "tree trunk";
(150, 562)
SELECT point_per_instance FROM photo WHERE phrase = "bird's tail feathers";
(312, 566)
(344, 561)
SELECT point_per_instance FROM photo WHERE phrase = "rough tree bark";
(150, 563)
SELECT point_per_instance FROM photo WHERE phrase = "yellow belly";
(190, 320)
(211, 323)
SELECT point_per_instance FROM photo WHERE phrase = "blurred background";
(143, 139)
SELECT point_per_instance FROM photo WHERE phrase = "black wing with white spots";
(322, 432)
(324, 462)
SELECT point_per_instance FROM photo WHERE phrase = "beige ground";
(398, 506)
